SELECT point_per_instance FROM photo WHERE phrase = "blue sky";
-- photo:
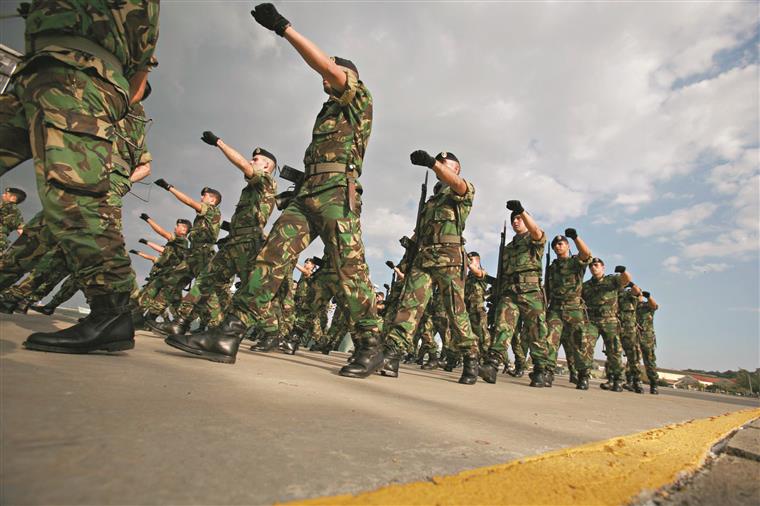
(634, 122)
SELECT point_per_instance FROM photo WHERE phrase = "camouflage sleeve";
(145, 157)
(352, 84)
(141, 29)
(539, 243)
(469, 195)
(17, 220)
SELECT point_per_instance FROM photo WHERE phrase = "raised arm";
(445, 174)
(156, 227)
(238, 160)
(182, 197)
(533, 229)
(140, 173)
(584, 253)
(625, 276)
(267, 16)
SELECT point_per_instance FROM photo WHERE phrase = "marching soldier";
(628, 300)
(439, 262)
(521, 298)
(600, 293)
(327, 204)
(10, 216)
(475, 288)
(648, 341)
(566, 316)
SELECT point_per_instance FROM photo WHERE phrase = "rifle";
(296, 177)
(547, 296)
(414, 245)
(496, 285)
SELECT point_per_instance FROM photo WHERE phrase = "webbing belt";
(77, 43)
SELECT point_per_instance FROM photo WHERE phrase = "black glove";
(225, 226)
(267, 16)
(390, 264)
(143, 241)
(422, 158)
(387, 286)
(163, 184)
(629, 285)
(144, 217)
(209, 138)
(620, 269)
(515, 206)
(646, 294)
(571, 233)
(134, 251)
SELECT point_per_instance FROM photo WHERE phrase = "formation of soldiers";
(74, 106)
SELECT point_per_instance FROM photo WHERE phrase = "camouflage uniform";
(66, 100)
(522, 299)
(475, 300)
(648, 340)
(239, 249)
(600, 296)
(323, 208)
(10, 221)
(439, 262)
(171, 275)
(566, 316)
(629, 334)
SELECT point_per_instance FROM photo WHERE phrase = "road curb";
(616, 471)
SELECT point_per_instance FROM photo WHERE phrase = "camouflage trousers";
(162, 291)
(629, 339)
(48, 270)
(567, 327)
(520, 348)
(479, 324)
(325, 215)
(530, 308)
(25, 252)
(609, 329)
(648, 343)
(65, 292)
(425, 334)
(212, 285)
(315, 309)
(69, 118)
(417, 292)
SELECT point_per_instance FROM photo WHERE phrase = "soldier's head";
(635, 289)
(264, 160)
(379, 296)
(597, 267)
(182, 227)
(346, 66)
(561, 246)
(518, 225)
(14, 195)
(450, 160)
(210, 196)
(474, 259)
(309, 264)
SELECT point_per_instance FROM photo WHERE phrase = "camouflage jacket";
(475, 292)
(340, 135)
(522, 263)
(10, 218)
(565, 281)
(175, 253)
(127, 30)
(253, 208)
(206, 226)
(627, 303)
(441, 227)
(645, 317)
(601, 297)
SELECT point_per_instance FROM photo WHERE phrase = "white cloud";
(675, 222)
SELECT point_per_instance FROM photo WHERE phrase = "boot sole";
(157, 330)
(110, 347)
(213, 357)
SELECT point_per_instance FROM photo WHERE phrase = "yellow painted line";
(611, 472)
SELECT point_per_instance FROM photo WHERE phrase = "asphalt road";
(156, 426)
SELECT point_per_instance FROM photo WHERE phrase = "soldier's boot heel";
(537, 378)
(432, 362)
(219, 344)
(582, 383)
(469, 369)
(616, 385)
(390, 367)
(108, 327)
(367, 358)
(489, 371)
(607, 385)
(637, 387)
(548, 379)
(653, 388)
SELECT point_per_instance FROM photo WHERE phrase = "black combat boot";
(108, 327)
(469, 369)
(452, 360)
(267, 342)
(290, 345)
(616, 385)
(628, 385)
(653, 388)
(582, 382)
(367, 358)
(47, 309)
(489, 370)
(179, 326)
(7, 306)
(390, 363)
(219, 344)
(549, 378)
(150, 318)
(607, 385)
(574, 377)
(637, 386)
(421, 355)
(518, 371)
(432, 361)
(537, 377)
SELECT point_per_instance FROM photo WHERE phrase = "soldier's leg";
(479, 323)
(25, 252)
(450, 282)
(519, 350)
(611, 335)
(414, 300)
(629, 341)
(49, 271)
(585, 341)
(425, 335)
(505, 325)
(67, 290)
(647, 342)
(533, 313)
(555, 326)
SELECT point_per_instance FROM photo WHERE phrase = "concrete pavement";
(156, 426)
